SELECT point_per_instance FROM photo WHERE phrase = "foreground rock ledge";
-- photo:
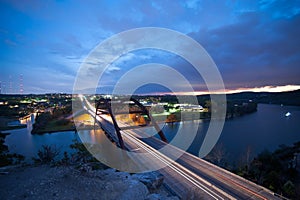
(45, 182)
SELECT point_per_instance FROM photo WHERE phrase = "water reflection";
(91, 136)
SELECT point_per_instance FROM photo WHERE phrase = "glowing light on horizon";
(285, 88)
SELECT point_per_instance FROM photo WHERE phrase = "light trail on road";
(214, 182)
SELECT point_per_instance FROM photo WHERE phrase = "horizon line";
(270, 89)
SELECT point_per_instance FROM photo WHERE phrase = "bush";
(47, 154)
(65, 160)
(84, 158)
(289, 188)
(81, 153)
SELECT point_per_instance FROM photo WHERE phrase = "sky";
(254, 44)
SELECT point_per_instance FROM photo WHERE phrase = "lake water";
(21, 141)
(265, 129)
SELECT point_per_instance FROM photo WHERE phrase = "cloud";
(280, 9)
(254, 43)
(48, 80)
(193, 4)
(72, 40)
(255, 52)
(10, 43)
(113, 68)
(125, 58)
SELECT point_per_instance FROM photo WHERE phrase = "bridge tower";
(104, 106)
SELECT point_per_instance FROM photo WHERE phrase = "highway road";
(231, 184)
(190, 177)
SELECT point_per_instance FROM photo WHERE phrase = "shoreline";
(53, 129)
(4, 123)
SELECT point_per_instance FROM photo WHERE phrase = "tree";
(171, 118)
(217, 155)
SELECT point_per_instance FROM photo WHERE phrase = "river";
(265, 129)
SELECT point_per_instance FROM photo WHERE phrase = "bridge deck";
(192, 176)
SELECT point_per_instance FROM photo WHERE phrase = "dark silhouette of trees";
(218, 155)
(7, 158)
(276, 170)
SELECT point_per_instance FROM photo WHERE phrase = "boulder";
(155, 196)
(135, 191)
(153, 180)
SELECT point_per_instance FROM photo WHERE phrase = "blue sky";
(255, 44)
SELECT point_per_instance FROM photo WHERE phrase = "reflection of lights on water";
(94, 136)
(288, 114)
(93, 139)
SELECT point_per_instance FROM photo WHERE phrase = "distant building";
(189, 107)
